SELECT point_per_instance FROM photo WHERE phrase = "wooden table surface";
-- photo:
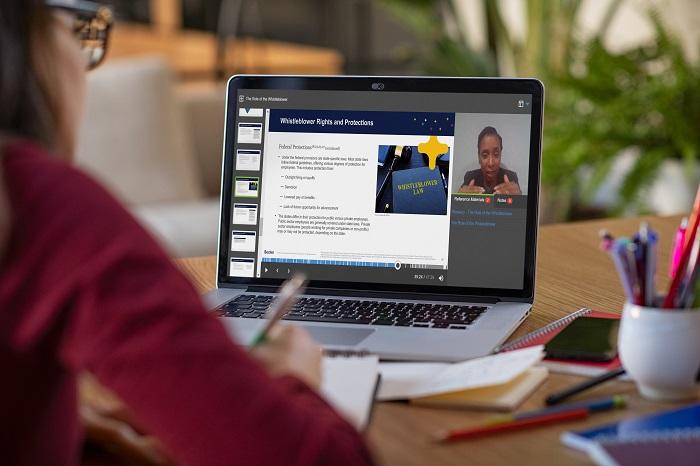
(571, 273)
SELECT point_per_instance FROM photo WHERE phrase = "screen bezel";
(390, 84)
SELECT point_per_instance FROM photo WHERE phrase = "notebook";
(678, 450)
(684, 422)
(350, 384)
(501, 397)
(500, 382)
(546, 333)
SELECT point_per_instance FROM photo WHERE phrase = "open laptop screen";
(363, 187)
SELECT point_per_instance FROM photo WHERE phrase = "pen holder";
(660, 350)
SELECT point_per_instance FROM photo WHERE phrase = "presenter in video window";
(490, 178)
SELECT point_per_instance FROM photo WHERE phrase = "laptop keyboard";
(352, 311)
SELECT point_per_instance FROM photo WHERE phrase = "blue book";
(684, 421)
(419, 191)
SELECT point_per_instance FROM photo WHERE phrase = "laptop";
(410, 204)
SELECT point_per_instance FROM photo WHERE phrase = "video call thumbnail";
(494, 154)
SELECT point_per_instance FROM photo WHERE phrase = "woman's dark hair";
(26, 109)
(488, 131)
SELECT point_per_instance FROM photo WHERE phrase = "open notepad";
(350, 385)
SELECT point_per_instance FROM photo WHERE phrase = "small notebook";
(502, 397)
(546, 333)
(499, 382)
(678, 422)
(676, 450)
(350, 384)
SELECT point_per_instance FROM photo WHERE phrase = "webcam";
(377, 86)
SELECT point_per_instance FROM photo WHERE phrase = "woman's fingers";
(116, 434)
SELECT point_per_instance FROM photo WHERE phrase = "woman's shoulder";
(50, 198)
(34, 176)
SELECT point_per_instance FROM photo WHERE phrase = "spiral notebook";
(682, 449)
(546, 333)
(666, 426)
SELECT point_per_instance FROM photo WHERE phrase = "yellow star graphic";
(433, 149)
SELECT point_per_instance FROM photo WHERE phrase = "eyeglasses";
(91, 26)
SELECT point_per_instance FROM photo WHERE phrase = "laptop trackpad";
(338, 336)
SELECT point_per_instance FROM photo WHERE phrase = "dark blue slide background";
(404, 123)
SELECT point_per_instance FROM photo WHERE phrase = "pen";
(686, 288)
(626, 250)
(285, 300)
(533, 419)
(620, 261)
(594, 406)
(606, 240)
(651, 268)
(642, 259)
(678, 244)
(558, 397)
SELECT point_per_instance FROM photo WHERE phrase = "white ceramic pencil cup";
(660, 350)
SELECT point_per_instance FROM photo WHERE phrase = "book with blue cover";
(419, 191)
(682, 421)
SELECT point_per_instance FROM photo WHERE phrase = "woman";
(83, 287)
(490, 178)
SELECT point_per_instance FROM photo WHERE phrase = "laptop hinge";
(380, 294)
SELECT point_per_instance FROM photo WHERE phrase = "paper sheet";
(349, 384)
(402, 381)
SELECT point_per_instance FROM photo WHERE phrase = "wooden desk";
(571, 273)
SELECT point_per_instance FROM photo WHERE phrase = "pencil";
(534, 418)
(690, 233)
(285, 300)
(520, 424)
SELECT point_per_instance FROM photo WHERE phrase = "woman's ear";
(59, 66)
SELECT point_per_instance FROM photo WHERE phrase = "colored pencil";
(521, 424)
(690, 233)
(533, 418)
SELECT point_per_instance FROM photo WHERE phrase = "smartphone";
(586, 338)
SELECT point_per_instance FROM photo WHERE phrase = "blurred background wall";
(622, 113)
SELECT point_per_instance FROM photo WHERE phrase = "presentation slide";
(250, 133)
(250, 112)
(248, 160)
(242, 267)
(246, 186)
(245, 214)
(243, 241)
(372, 180)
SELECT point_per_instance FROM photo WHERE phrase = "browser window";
(424, 188)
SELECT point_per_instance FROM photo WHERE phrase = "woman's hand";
(471, 188)
(107, 423)
(290, 350)
(507, 187)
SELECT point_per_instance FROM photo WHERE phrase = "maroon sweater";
(84, 287)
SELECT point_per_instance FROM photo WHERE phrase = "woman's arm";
(132, 319)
